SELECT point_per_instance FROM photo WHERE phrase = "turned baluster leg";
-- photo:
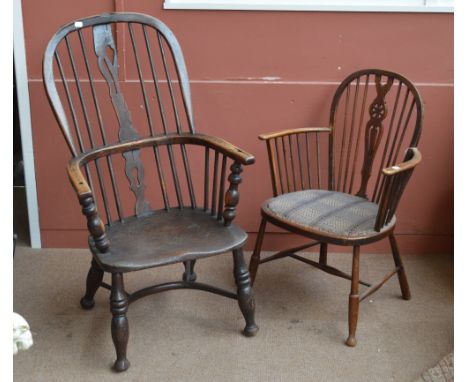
(353, 309)
(189, 275)
(119, 326)
(323, 254)
(255, 259)
(244, 293)
(405, 290)
(93, 281)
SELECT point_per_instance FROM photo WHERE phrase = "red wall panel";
(232, 58)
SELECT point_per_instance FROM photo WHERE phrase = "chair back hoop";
(102, 51)
(375, 116)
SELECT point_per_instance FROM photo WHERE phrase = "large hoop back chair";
(374, 128)
(154, 192)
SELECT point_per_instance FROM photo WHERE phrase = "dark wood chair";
(375, 121)
(120, 91)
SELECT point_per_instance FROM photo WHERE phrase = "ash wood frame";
(391, 183)
(223, 201)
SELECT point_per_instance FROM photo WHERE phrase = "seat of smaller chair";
(340, 217)
(167, 237)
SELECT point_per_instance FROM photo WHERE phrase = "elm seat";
(165, 238)
(327, 212)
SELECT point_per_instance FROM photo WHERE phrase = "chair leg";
(245, 296)
(353, 309)
(93, 281)
(255, 259)
(119, 326)
(323, 254)
(405, 290)
(189, 275)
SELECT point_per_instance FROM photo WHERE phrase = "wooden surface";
(361, 141)
(168, 237)
(122, 239)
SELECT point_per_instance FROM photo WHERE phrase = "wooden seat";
(345, 189)
(153, 191)
(166, 238)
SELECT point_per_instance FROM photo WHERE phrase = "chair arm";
(79, 183)
(210, 141)
(85, 196)
(395, 179)
(276, 175)
(415, 156)
(282, 133)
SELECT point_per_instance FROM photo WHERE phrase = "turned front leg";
(119, 326)
(245, 296)
(353, 309)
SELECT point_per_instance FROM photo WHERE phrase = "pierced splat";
(106, 52)
(373, 133)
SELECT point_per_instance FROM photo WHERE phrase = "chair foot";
(189, 275)
(121, 365)
(245, 296)
(250, 331)
(119, 326)
(351, 341)
(255, 259)
(93, 281)
(86, 304)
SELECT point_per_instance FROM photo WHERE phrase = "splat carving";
(373, 133)
(108, 65)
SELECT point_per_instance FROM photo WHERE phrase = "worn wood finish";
(167, 223)
(374, 129)
(164, 238)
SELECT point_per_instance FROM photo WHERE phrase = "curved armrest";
(406, 165)
(85, 195)
(81, 187)
(394, 182)
(282, 133)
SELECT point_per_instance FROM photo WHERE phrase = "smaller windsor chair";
(119, 130)
(346, 210)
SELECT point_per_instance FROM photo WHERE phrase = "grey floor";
(195, 336)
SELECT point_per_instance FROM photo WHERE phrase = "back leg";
(93, 281)
(189, 275)
(255, 259)
(405, 290)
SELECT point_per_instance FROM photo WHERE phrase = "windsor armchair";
(375, 114)
(119, 134)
